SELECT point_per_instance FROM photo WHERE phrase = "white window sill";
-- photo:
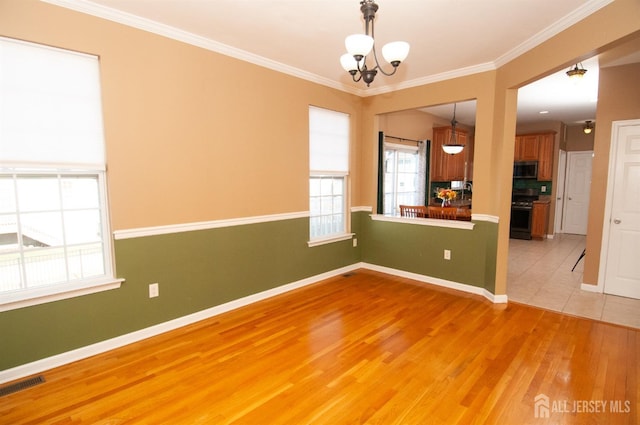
(454, 224)
(335, 238)
(35, 296)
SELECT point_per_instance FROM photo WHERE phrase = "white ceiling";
(305, 38)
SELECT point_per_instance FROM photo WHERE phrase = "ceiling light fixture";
(453, 147)
(588, 127)
(360, 45)
(576, 73)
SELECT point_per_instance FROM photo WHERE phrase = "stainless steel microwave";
(525, 170)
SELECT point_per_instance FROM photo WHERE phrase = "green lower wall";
(195, 270)
(202, 269)
(420, 249)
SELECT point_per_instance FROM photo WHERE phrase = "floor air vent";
(349, 274)
(22, 385)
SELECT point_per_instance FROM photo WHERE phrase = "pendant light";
(452, 147)
(577, 72)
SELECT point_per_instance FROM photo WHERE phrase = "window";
(405, 175)
(329, 170)
(54, 233)
(402, 178)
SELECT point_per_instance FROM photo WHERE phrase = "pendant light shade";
(395, 52)
(452, 149)
(348, 62)
(358, 45)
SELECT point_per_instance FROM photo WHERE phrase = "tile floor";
(540, 275)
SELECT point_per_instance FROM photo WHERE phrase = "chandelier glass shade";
(359, 46)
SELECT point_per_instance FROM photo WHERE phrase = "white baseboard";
(591, 288)
(463, 287)
(40, 366)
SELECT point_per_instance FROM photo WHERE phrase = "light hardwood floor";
(540, 275)
(365, 348)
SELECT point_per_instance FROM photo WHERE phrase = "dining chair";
(418, 211)
(446, 213)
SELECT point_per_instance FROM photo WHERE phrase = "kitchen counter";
(463, 212)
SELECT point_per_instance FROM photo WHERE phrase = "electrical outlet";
(447, 254)
(154, 290)
(543, 189)
(355, 242)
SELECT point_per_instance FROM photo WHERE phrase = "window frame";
(70, 288)
(56, 152)
(345, 233)
(346, 218)
(398, 148)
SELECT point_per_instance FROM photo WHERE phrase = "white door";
(578, 185)
(562, 165)
(622, 218)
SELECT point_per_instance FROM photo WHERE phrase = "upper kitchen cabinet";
(526, 148)
(537, 147)
(447, 167)
(545, 156)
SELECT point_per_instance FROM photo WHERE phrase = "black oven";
(520, 222)
(521, 213)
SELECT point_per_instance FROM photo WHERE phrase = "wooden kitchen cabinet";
(537, 147)
(526, 148)
(539, 219)
(446, 167)
(545, 156)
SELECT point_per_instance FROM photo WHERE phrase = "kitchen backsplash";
(517, 184)
(533, 184)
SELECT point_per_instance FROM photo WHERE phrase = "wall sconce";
(588, 127)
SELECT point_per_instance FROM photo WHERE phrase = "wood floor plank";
(365, 349)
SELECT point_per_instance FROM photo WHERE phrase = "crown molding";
(552, 30)
(100, 11)
(130, 20)
(448, 75)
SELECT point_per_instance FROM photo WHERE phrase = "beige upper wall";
(191, 135)
(618, 99)
(577, 140)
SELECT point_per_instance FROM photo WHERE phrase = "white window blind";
(328, 140)
(50, 107)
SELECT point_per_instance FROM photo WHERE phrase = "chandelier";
(453, 147)
(576, 73)
(360, 45)
(588, 127)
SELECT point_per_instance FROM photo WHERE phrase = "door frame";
(608, 204)
(560, 189)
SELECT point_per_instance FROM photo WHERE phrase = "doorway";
(576, 191)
